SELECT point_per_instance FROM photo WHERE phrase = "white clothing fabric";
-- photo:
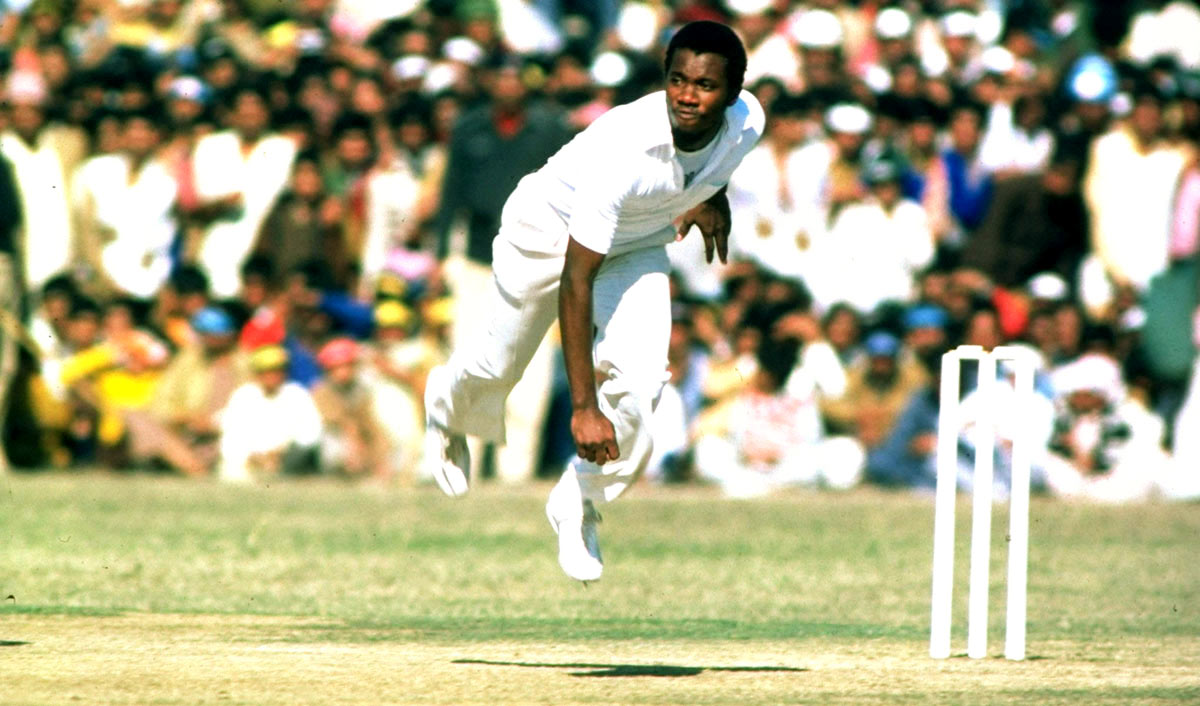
(1172, 30)
(135, 209)
(618, 186)
(632, 317)
(773, 221)
(871, 256)
(818, 375)
(1140, 466)
(221, 169)
(1005, 146)
(836, 463)
(1130, 196)
(253, 423)
(47, 240)
(391, 204)
(669, 428)
(518, 459)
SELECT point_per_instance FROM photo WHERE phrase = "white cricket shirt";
(619, 185)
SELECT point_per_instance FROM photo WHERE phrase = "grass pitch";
(146, 590)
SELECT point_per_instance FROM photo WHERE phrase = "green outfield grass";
(145, 590)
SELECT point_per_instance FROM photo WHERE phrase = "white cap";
(850, 118)
(440, 77)
(998, 60)
(463, 50)
(893, 23)
(610, 69)
(959, 23)
(817, 29)
(637, 26)
(1049, 286)
(1091, 371)
(749, 7)
(409, 67)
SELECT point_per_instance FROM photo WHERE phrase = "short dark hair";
(707, 37)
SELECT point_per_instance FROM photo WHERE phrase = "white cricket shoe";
(578, 546)
(448, 459)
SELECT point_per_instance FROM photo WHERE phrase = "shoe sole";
(453, 483)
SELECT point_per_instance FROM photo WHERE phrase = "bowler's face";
(697, 94)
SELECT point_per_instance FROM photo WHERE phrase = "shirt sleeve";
(597, 204)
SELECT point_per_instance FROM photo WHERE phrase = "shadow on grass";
(12, 643)
(585, 669)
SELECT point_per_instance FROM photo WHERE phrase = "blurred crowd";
(237, 234)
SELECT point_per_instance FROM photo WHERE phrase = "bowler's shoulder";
(746, 115)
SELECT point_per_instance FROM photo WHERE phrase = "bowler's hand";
(595, 438)
(712, 218)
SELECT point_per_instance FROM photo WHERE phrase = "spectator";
(353, 442)
(1129, 190)
(1105, 446)
(874, 247)
(239, 173)
(39, 157)
(305, 224)
(969, 180)
(493, 146)
(270, 425)
(399, 362)
(124, 205)
(761, 439)
(1035, 224)
(181, 424)
(877, 389)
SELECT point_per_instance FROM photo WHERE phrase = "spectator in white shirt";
(124, 205)
(270, 425)
(239, 173)
(875, 247)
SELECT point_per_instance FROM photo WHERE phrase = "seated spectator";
(270, 425)
(877, 388)
(353, 442)
(1106, 447)
(843, 329)
(181, 424)
(760, 440)
(875, 246)
(906, 458)
(399, 358)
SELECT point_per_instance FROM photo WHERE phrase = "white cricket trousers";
(632, 319)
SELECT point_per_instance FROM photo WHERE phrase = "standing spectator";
(1130, 189)
(124, 205)
(239, 172)
(270, 425)
(1035, 224)
(492, 148)
(969, 180)
(305, 224)
(38, 158)
(769, 217)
